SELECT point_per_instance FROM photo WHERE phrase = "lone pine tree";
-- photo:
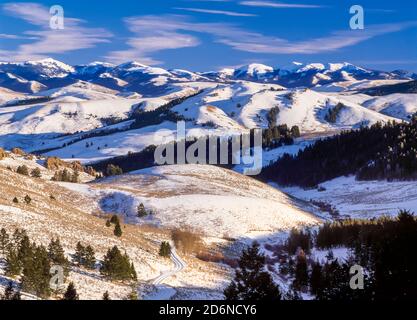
(56, 255)
(142, 211)
(118, 230)
(4, 240)
(106, 296)
(165, 249)
(71, 293)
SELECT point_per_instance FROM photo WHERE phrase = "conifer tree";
(118, 230)
(25, 251)
(71, 293)
(251, 281)
(115, 219)
(15, 200)
(117, 266)
(133, 274)
(79, 255)
(13, 266)
(36, 276)
(4, 240)
(56, 255)
(142, 211)
(106, 296)
(89, 257)
(165, 249)
(316, 278)
(301, 271)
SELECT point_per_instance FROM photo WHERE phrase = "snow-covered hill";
(247, 104)
(57, 211)
(9, 95)
(83, 99)
(19, 84)
(362, 199)
(214, 201)
(220, 109)
(401, 106)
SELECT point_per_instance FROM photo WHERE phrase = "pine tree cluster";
(85, 256)
(117, 266)
(66, 176)
(377, 152)
(31, 264)
(383, 247)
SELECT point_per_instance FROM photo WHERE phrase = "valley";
(58, 123)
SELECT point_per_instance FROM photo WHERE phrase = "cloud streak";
(220, 12)
(152, 34)
(73, 37)
(281, 5)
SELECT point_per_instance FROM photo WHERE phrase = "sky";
(204, 35)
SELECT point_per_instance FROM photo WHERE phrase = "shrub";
(23, 170)
(113, 170)
(187, 241)
(3, 154)
(36, 173)
(18, 151)
(28, 199)
(54, 163)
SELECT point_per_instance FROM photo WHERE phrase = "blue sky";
(204, 35)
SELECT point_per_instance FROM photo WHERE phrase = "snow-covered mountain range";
(138, 77)
(48, 105)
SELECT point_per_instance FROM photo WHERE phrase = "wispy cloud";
(153, 34)
(332, 42)
(221, 12)
(270, 4)
(13, 37)
(74, 36)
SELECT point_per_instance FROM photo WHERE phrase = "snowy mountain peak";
(51, 64)
(131, 65)
(254, 69)
(100, 63)
(39, 69)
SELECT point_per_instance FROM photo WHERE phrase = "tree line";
(31, 263)
(380, 151)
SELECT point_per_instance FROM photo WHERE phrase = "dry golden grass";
(73, 217)
(211, 108)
